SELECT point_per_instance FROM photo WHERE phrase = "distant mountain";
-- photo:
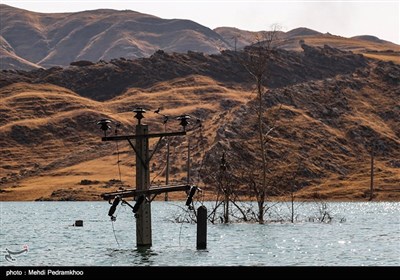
(301, 31)
(370, 38)
(9, 60)
(58, 39)
(238, 38)
(30, 40)
(292, 39)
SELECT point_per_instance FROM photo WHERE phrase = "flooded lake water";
(361, 234)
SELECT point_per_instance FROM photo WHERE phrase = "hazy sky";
(345, 18)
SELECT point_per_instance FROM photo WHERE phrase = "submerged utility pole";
(143, 216)
(165, 120)
(144, 193)
(167, 171)
(188, 163)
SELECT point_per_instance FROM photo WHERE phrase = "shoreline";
(213, 200)
(306, 195)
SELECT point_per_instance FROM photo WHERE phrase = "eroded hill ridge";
(105, 80)
(330, 105)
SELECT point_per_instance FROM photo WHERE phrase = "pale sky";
(344, 18)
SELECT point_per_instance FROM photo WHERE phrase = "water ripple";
(369, 236)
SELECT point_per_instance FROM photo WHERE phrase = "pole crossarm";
(150, 191)
(151, 135)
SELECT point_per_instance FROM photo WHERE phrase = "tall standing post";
(167, 167)
(143, 217)
(167, 171)
(201, 240)
(371, 191)
(188, 163)
(225, 187)
(184, 122)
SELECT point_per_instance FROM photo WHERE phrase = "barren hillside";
(58, 39)
(51, 141)
(105, 80)
(322, 132)
(329, 106)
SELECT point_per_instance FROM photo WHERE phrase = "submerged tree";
(256, 61)
(222, 176)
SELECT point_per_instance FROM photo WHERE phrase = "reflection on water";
(145, 255)
(364, 234)
(142, 256)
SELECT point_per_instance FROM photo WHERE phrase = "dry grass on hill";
(43, 165)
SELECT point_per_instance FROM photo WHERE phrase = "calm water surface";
(360, 234)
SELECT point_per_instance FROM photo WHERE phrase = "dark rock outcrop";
(105, 80)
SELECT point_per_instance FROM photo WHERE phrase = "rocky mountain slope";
(321, 135)
(30, 40)
(58, 39)
(329, 106)
(105, 80)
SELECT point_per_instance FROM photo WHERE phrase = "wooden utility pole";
(188, 163)
(371, 190)
(226, 189)
(167, 171)
(143, 216)
(167, 165)
(143, 193)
